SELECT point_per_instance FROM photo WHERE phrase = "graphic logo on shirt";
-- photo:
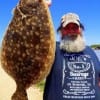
(78, 77)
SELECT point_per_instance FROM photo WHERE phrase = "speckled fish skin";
(28, 47)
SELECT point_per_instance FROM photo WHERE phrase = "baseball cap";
(70, 18)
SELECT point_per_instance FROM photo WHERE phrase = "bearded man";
(75, 72)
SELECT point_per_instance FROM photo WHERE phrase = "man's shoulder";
(57, 42)
(89, 49)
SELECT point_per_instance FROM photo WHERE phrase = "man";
(75, 72)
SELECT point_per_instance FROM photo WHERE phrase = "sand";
(8, 87)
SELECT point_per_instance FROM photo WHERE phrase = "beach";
(8, 87)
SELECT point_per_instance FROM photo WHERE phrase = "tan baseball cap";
(70, 18)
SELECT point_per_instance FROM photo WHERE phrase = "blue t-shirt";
(74, 76)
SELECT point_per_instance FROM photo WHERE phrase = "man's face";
(71, 29)
(72, 39)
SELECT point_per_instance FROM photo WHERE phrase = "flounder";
(28, 46)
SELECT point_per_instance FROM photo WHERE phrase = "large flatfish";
(28, 46)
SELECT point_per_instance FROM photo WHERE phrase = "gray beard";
(70, 45)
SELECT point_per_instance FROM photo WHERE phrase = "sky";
(88, 11)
